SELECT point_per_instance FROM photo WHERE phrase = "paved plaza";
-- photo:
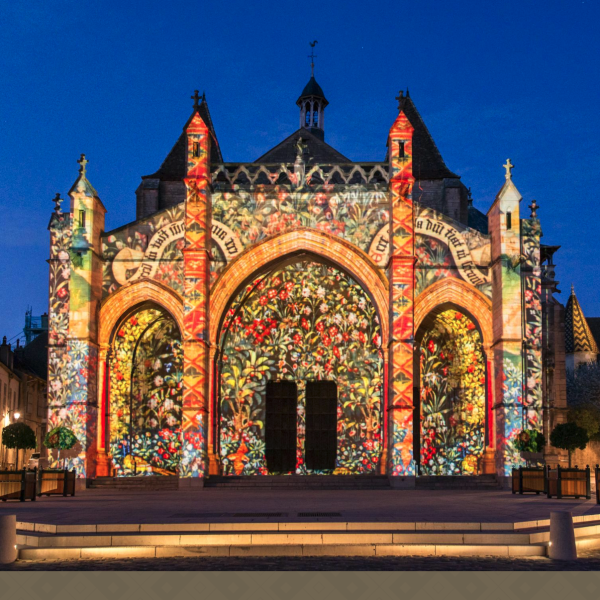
(222, 505)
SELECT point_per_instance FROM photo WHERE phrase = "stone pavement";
(588, 561)
(222, 505)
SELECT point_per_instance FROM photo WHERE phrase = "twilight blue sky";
(112, 79)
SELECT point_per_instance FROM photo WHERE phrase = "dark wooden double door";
(320, 446)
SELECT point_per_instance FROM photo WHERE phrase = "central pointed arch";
(302, 240)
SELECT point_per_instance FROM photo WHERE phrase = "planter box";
(529, 481)
(52, 482)
(17, 485)
(574, 483)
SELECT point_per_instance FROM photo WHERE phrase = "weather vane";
(312, 57)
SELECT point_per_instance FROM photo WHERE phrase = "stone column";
(401, 274)
(196, 260)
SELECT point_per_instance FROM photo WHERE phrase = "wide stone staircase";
(457, 482)
(300, 482)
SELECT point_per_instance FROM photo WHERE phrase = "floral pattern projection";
(301, 322)
(148, 248)
(357, 213)
(71, 364)
(532, 289)
(452, 394)
(146, 383)
(446, 248)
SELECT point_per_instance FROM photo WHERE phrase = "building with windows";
(302, 313)
(23, 388)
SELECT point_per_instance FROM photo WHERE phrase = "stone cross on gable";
(400, 98)
(196, 97)
(534, 206)
(82, 162)
(509, 167)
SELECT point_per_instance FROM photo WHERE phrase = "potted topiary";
(20, 436)
(569, 437)
(60, 438)
(531, 443)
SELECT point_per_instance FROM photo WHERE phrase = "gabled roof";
(578, 336)
(316, 152)
(174, 167)
(427, 160)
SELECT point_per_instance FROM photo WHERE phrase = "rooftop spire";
(312, 57)
(578, 336)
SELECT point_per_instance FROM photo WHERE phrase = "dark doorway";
(280, 426)
(321, 425)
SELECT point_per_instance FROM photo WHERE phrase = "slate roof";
(427, 160)
(174, 167)
(477, 220)
(312, 88)
(578, 336)
(317, 151)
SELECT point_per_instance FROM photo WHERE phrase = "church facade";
(299, 314)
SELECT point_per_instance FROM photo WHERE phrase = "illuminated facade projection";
(301, 314)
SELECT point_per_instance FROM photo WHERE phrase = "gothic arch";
(454, 291)
(338, 251)
(116, 305)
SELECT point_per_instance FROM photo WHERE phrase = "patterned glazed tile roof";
(578, 336)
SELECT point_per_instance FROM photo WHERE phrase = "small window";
(401, 150)
(316, 118)
(196, 149)
(508, 220)
(307, 117)
(82, 219)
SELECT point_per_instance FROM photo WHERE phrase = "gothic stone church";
(300, 314)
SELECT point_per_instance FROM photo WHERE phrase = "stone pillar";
(103, 463)
(507, 316)
(196, 260)
(401, 275)
(214, 463)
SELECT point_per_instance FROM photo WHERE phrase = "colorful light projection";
(146, 386)
(150, 248)
(359, 214)
(301, 322)
(452, 396)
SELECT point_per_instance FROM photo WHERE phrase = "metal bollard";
(562, 536)
(8, 539)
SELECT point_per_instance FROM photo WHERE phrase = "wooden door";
(321, 425)
(280, 426)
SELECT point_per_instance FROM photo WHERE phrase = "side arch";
(116, 305)
(340, 252)
(454, 291)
